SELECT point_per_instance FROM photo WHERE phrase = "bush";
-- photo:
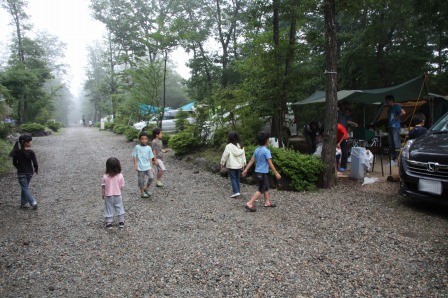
(120, 128)
(5, 160)
(166, 139)
(184, 142)
(109, 125)
(54, 126)
(131, 133)
(303, 170)
(32, 127)
(5, 130)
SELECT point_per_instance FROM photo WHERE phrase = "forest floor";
(190, 239)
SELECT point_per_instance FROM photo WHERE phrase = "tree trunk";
(328, 178)
(276, 130)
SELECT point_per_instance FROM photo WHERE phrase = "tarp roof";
(188, 107)
(411, 89)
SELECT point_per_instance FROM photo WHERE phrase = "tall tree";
(328, 175)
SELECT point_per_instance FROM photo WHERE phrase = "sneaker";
(34, 207)
(24, 206)
(159, 183)
(147, 192)
(144, 196)
(121, 225)
(235, 195)
(107, 225)
(342, 170)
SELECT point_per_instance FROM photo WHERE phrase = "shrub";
(120, 128)
(131, 133)
(184, 142)
(166, 139)
(109, 125)
(302, 169)
(54, 126)
(5, 160)
(32, 127)
(181, 121)
(5, 130)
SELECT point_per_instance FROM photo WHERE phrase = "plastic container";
(357, 168)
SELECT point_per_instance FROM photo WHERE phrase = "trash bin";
(357, 169)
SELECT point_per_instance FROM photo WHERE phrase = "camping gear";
(359, 162)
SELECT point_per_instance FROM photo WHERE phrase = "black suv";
(424, 164)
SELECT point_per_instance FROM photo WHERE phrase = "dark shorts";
(263, 182)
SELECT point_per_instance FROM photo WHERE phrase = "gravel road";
(191, 240)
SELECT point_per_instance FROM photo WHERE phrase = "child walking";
(112, 184)
(24, 160)
(143, 156)
(263, 160)
(157, 148)
(234, 159)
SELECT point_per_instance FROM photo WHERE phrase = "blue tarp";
(188, 107)
(147, 109)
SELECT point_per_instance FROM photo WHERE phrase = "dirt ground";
(190, 239)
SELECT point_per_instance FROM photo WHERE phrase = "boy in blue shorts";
(263, 162)
(143, 156)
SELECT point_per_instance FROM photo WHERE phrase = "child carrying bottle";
(234, 159)
(24, 160)
(112, 184)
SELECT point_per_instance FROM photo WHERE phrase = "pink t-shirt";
(113, 185)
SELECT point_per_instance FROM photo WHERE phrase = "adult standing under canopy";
(394, 125)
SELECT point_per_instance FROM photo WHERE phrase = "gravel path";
(191, 240)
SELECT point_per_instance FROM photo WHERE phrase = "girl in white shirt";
(112, 184)
(234, 159)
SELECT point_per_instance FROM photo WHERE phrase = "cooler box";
(357, 168)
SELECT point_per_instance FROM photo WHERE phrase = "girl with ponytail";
(24, 159)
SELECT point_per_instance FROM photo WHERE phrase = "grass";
(5, 160)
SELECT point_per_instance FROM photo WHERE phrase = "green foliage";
(119, 128)
(5, 160)
(181, 121)
(131, 133)
(5, 130)
(302, 169)
(184, 142)
(109, 125)
(32, 127)
(54, 126)
(166, 139)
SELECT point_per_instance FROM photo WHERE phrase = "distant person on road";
(263, 162)
(112, 184)
(419, 128)
(157, 149)
(24, 160)
(394, 124)
(143, 157)
(234, 159)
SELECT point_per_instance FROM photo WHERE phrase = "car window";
(441, 125)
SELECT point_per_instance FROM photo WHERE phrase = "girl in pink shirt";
(112, 184)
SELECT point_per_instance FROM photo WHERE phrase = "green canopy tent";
(412, 90)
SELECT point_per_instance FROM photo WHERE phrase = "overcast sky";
(71, 22)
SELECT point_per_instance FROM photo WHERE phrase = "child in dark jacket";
(419, 128)
(24, 159)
